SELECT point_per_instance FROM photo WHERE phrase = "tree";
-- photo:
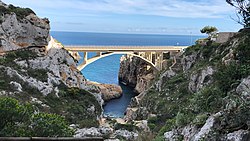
(210, 30)
(243, 11)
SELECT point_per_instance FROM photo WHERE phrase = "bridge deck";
(124, 48)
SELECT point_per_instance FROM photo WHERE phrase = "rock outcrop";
(60, 63)
(108, 91)
(200, 79)
(107, 133)
(94, 132)
(135, 73)
(24, 32)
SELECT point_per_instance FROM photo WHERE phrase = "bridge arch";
(86, 61)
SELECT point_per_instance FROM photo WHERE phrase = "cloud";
(167, 8)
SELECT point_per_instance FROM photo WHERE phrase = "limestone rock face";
(193, 133)
(163, 78)
(60, 63)
(188, 61)
(21, 33)
(44, 87)
(106, 132)
(129, 136)
(134, 72)
(200, 79)
(240, 135)
(94, 132)
(244, 88)
(108, 91)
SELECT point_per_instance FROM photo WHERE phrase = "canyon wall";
(135, 72)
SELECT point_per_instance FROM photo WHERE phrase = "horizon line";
(163, 34)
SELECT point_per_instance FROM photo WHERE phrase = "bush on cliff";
(19, 120)
(20, 12)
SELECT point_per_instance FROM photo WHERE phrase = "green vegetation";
(200, 120)
(210, 30)
(9, 58)
(19, 120)
(39, 74)
(9, 61)
(205, 50)
(175, 106)
(209, 99)
(129, 127)
(49, 125)
(74, 103)
(20, 12)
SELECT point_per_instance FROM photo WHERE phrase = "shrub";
(50, 125)
(76, 102)
(200, 120)
(39, 74)
(20, 55)
(129, 127)
(169, 125)
(243, 50)
(20, 12)
(159, 138)
(14, 117)
(209, 99)
(18, 120)
(229, 76)
(183, 119)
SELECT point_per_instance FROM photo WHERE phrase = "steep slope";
(205, 98)
(35, 69)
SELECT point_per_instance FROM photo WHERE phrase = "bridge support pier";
(85, 57)
(158, 60)
(98, 53)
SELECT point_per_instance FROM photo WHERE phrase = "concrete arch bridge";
(153, 55)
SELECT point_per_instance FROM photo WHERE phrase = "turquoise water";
(106, 70)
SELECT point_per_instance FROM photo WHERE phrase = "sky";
(172, 17)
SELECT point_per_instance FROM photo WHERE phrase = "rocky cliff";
(21, 28)
(206, 96)
(135, 73)
(35, 68)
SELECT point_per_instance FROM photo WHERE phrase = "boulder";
(125, 134)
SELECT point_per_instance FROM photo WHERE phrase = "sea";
(106, 69)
